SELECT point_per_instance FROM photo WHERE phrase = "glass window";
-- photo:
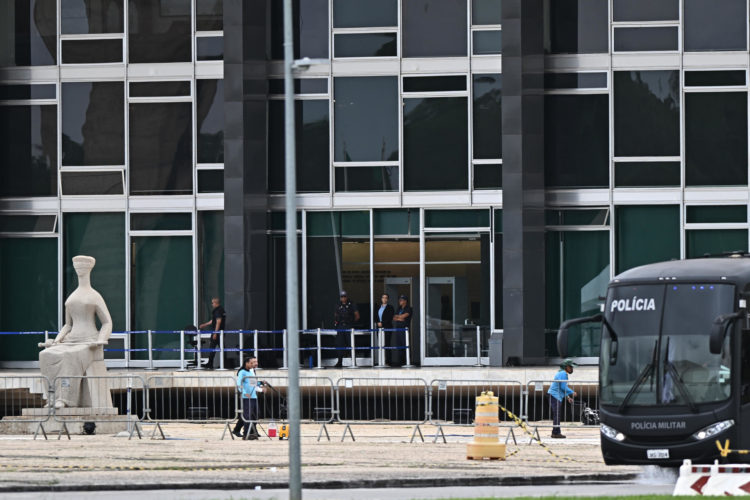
(645, 39)
(714, 78)
(434, 83)
(486, 12)
(718, 213)
(487, 42)
(301, 86)
(367, 178)
(576, 26)
(576, 140)
(91, 183)
(210, 181)
(210, 122)
(577, 217)
(400, 221)
(28, 33)
(715, 25)
(160, 31)
(366, 45)
(23, 92)
(28, 223)
(161, 222)
(647, 113)
(434, 28)
(211, 258)
(102, 236)
(91, 16)
(435, 143)
(488, 176)
(93, 123)
(716, 139)
(488, 118)
(714, 242)
(456, 218)
(364, 13)
(159, 89)
(209, 48)
(646, 10)
(646, 234)
(647, 174)
(91, 51)
(28, 156)
(575, 80)
(161, 158)
(366, 119)
(311, 123)
(209, 15)
(310, 25)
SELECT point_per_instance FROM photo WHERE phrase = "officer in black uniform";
(344, 318)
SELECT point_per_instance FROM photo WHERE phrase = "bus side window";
(745, 396)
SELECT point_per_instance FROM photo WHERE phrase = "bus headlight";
(713, 429)
(612, 433)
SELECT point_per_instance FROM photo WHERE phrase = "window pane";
(486, 12)
(575, 80)
(209, 48)
(367, 178)
(28, 156)
(363, 13)
(456, 218)
(714, 78)
(310, 26)
(211, 255)
(715, 242)
(159, 31)
(91, 51)
(647, 174)
(487, 42)
(435, 143)
(366, 124)
(161, 222)
(161, 159)
(209, 15)
(647, 113)
(93, 123)
(645, 39)
(488, 176)
(646, 234)
(402, 221)
(719, 213)
(27, 223)
(210, 124)
(18, 92)
(715, 25)
(159, 89)
(434, 28)
(576, 140)
(210, 181)
(646, 10)
(28, 33)
(301, 86)
(434, 83)
(488, 119)
(576, 26)
(578, 217)
(716, 139)
(311, 122)
(366, 45)
(91, 16)
(91, 183)
(102, 236)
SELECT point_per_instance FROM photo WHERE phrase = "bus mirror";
(613, 353)
(562, 332)
(719, 331)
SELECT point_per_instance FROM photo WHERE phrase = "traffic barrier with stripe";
(713, 480)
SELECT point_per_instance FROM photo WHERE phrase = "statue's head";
(83, 264)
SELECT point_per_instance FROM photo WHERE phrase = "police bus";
(674, 365)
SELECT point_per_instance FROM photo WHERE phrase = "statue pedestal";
(107, 420)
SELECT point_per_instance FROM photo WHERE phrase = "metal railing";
(582, 412)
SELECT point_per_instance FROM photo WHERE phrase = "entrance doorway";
(395, 286)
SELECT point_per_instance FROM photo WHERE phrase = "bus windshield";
(655, 345)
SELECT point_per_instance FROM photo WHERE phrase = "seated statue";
(79, 343)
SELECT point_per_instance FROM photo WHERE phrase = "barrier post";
(479, 347)
(354, 354)
(380, 349)
(46, 336)
(320, 357)
(130, 388)
(255, 343)
(198, 361)
(408, 350)
(150, 352)
(284, 354)
(182, 362)
(241, 345)
(221, 350)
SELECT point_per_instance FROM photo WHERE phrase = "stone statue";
(79, 345)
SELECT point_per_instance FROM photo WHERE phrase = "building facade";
(496, 161)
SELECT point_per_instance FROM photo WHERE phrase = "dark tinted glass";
(575, 80)
(366, 124)
(714, 242)
(488, 118)
(27, 223)
(13, 92)
(210, 181)
(457, 218)
(91, 16)
(159, 89)
(367, 178)
(434, 83)
(435, 143)
(488, 176)
(29, 31)
(714, 78)
(486, 12)
(91, 183)
(646, 234)
(161, 222)
(434, 28)
(311, 122)
(647, 113)
(576, 140)
(161, 144)
(645, 39)
(301, 86)
(365, 45)
(93, 123)
(647, 174)
(209, 15)
(362, 13)
(310, 25)
(210, 124)
(716, 138)
(718, 214)
(646, 10)
(91, 51)
(209, 48)
(159, 31)
(487, 42)
(28, 158)
(577, 26)
(715, 25)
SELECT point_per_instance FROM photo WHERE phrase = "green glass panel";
(499, 221)
(346, 224)
(715, 242)
(27, 223)
(593, 217)
(646, 234)
(457, 218)
(161, 222)
(102, 236)
(28, 295)
(211, 248)
(396, 222)
(486, 12)
(728, 213)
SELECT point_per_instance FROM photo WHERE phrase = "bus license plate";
(657, 454)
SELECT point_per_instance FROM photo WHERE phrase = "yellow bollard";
(486, 443)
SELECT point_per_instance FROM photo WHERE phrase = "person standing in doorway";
(344, 318)
(559, 391)
(401, 321)
(383, 315)
(218, 322)
(247, 384)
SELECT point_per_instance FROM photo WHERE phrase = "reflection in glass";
(435, 143)
(161, 148)
(715, 25)
(486, 12)
(646, 10)
(366, 124)
(210, 120)
(91, 183)
(91, 16)
(93, 123)
(367, 178)
(647, 113)
(28, 158)
(29, 33)
(487, 42)
(23, 92)
(645, 39)
(488, 119)
(159, 31)
(576, 26)
(700, 243)
(646, 234)
(434, 28)
(301, 86)
(91, 51)
(488, 176)
(310, 25)
(647, 174)
(209, 48)
(575, 80)
(716, 139)
(28, 223)
(365, 45)
(211, 255)
(209, 15)
(364, 13)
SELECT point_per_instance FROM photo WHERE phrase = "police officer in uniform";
(344, 318)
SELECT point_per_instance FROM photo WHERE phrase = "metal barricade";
(452, 403)
(381, 401)
(582, 413)
(23, 405)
